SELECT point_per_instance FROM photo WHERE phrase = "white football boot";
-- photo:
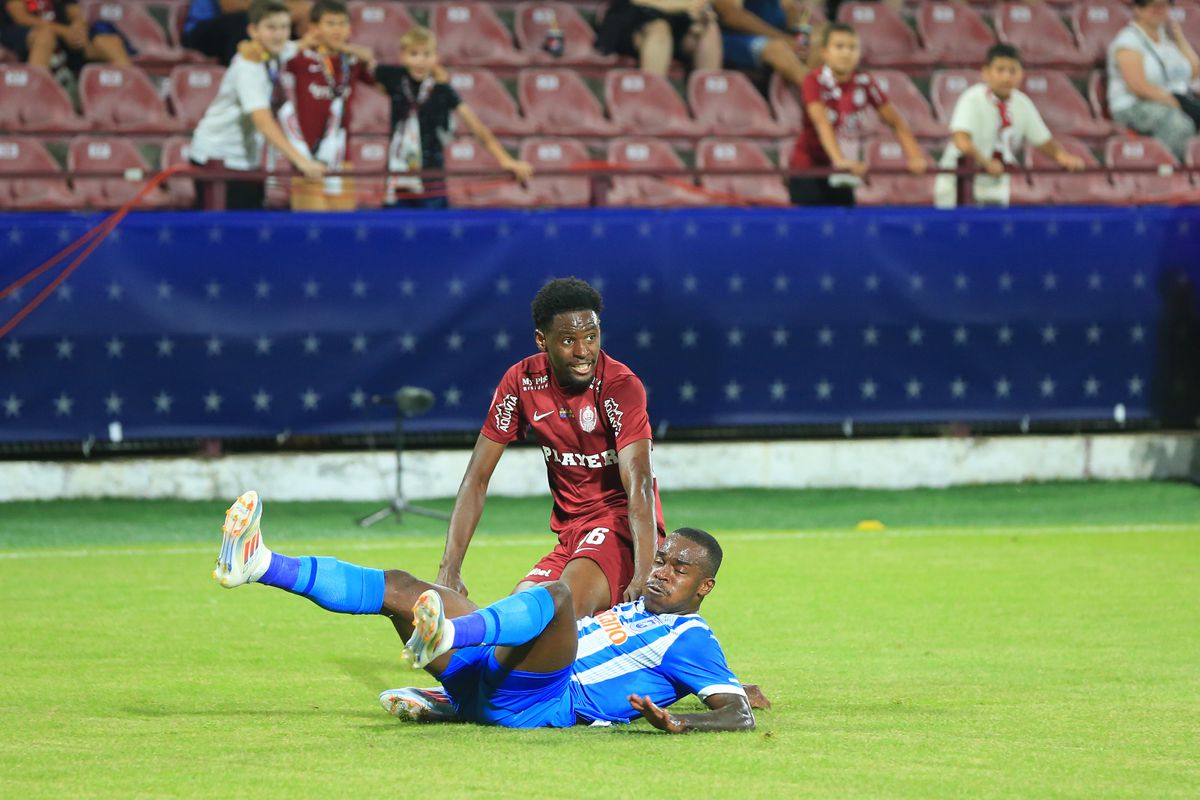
(243, 556)
(418, 705)
(432, 634)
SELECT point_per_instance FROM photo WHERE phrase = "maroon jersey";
(580, 433)
(847, 105)
(320, 79)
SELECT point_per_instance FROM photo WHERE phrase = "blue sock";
(514, 620)
(331, 584)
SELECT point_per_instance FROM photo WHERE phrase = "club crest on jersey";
(587, 419)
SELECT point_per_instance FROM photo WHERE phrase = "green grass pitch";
(1008, 641)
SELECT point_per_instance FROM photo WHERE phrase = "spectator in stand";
(422, 104)
(836, 99)
(215, 27)
(655, 31)
(35, 29)
(1150, 65)
(774, 33)
(990, 124)
(231, 133)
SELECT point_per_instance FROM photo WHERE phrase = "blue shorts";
(743, 50)
(485, 692)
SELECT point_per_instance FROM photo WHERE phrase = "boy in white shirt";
(231, 133)
(990, 124)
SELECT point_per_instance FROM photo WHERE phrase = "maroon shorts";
(605, 540)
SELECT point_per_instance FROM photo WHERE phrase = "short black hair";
(836, 27)
(560, 295)
(323, 7)
(712, 550)
(1002, 50)
(261, 9)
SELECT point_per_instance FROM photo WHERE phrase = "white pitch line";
(743, 536)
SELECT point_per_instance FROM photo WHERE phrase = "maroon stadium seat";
(641, 103)
(945, 88)
(893, 190)
(636, 154)
(1040, 35)
(557, 155)
(20, 153)
(886, 39)
(1096, 23)
(33, 101)
(531, 22)
(1069, 189)
(785, 102)
(1187, 14)
(371, 112)
(135, 24)
(725, 154)
(123, 99)
(955, 35)
(471, 33)
(560, 103)
(182, 191)
(911, 104)
(1146, 187)
(487, 97)
(1193, 157)
(93, 154)
(379, 26)
(727, 104)
(191, 88)
(6, 57)
(1098, 95)
(468, 155)
(369, 153)
(1062, 107)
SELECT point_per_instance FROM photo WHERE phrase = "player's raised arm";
(468, 507)
(730, 712)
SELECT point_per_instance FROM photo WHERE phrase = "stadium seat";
(893, 190)
(1069, 189)
(370, 112)
(1146, 187)
(25, 153)
(487, 97)
(95, 154)
(531, 22)
(560, 103)
(886, 39)
(725, 103)
(191, 88)
(6, 57)
(1098, 94)
(471, 33)
(636, 154)
(369, 153)
(1192, 157)
(785, 102)
(182, 191)
(1096, 22)
(135, 24)
(1187, 14)
(954, 34)
(379, 26)
(468, 155)
(557, 155)
(911, 104)
(727, 154)
(1043, 39)
(33, 101)
(945, 87)
(123, 99)
(1062, 107)
(645, 104)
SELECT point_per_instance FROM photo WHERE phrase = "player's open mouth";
(581, 369)
(653, 589)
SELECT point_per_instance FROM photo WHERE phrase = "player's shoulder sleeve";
(625, 409)
(696, 662)
(505, 420)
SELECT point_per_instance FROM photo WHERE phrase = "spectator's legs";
(779, 55)
(655, 47)
(108, 47)
(707, 51)
(818, 192)
(1169, 125)
(42, 43)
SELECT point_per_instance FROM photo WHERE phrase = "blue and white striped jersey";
(627, 650)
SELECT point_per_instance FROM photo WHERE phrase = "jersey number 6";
(596, 536)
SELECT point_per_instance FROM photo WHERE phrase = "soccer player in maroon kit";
(588, 412)
(836, 98)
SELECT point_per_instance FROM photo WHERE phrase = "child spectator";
(422, 104)
(33, 29)
(990, 124)
(836, 98)
(231, 133)
(656, 31)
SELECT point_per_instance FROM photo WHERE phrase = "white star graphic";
(1006, 282)
(164, 290)
(455, 287)
(597, 283)
(1097, 228)
(824, 389)
(213, 290)
(262, 346)
(781, 230)
(312, 345)
(454, 341)
(644, 284)
(872, 230)
(13, 350)
(645, 229)
(690, 283)
(1093, 334)
(14, 236)
(312, 289)
(1007, 230)
(213, 346)
(827, 229)
(503, 285)
(1091, 387)
(868, 388)
(1049, 281)
(961, 282)
(687, 392)
(214, 235)
(264, 235)
(502, 230)
(113, 403)
(456, 231)
(64, 235)
(358, 288)
(1052, 229)
(1095, 281)
(62, 405)
(597, 230)
(408, 287)
(1047, 387)
(826, 282)
(958, 388)
(916, 282)
(314, 234)
(1004, 334)
(212, 402)
(65, 348)
(12, 406)
(501, 340)
(550, 231)
(690, 337)
(1139, 280)
(410, 231)
(115, 347)
(918, 229)
(262, 290)
(1140, 227)
(166, 347)
(162, 403)
(452, 396)
(735, 283)
(1003, 388)
(735, 230)
(644, 338)
(310, 399)
(778, 391)
(358, 344)
(781, 283)
(825, 336)
(115, 291)
(1137, 334)
(361, 233)
(1049, 334)
(913, 388)
(16, 294)
(408, 343)
(734, 337)
(916, 336)
(65, 292)
(262, 400)
(733, 390)
(358, 398)
(964, 230)
(1135, 386)
(870, 336)
(779, 337)
(872, 282)
(115, 236)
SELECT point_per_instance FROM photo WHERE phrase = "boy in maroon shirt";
(836, 98)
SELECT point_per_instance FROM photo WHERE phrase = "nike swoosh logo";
(536, 417)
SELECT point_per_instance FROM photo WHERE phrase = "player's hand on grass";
(658, 717)
(758, 700)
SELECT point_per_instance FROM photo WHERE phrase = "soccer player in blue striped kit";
(525, 661)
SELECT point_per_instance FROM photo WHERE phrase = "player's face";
(842, 52)
(333, 29)
(679, 580)
(1002, 76)
(573, 345)
(272, 32)
(419, 59)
